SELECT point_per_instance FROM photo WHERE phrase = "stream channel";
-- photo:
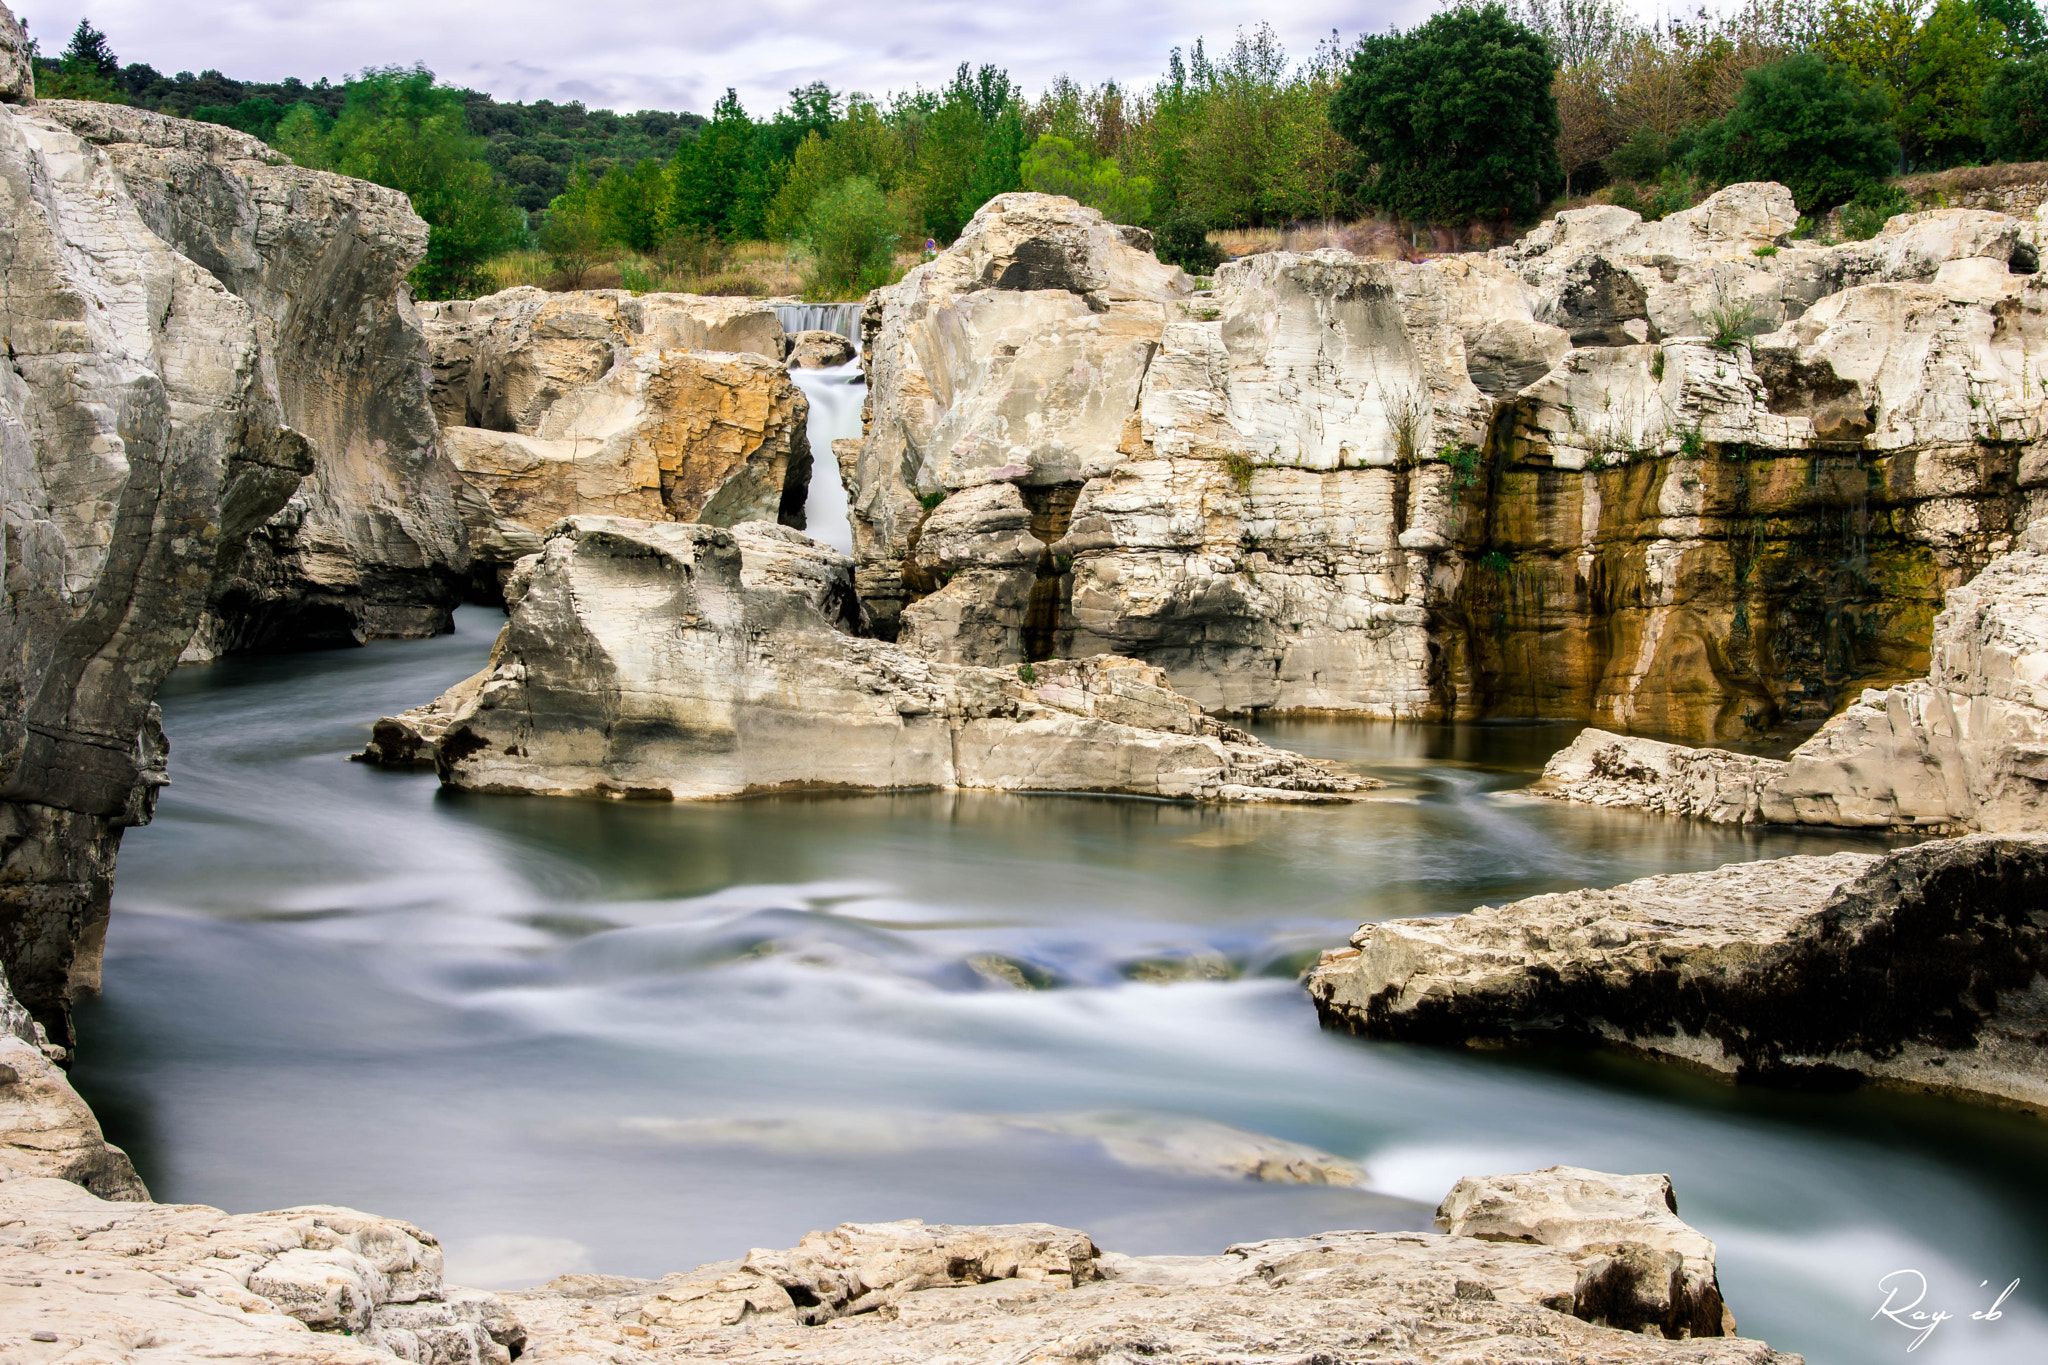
(632, 1037)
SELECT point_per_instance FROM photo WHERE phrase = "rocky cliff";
(140, 435)
(656, 406)
(1965, 748)
(684, 661)
(1548, 1265)
(1685, 476)
(370, 544)
(1922, 969)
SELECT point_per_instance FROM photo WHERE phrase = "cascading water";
(843, 318)
(836, 395)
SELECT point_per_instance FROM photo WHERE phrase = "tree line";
(1485, 111)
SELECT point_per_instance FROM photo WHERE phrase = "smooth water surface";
(633, 1037)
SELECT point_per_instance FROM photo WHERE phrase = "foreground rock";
(141, 440)
(657, 406)
(46, 1130)
(1688, 476)
(1966, 748)
(370, 544)
(685, 661)
(1553, 1265)
(1921, 969)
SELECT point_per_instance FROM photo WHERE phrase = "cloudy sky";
(679, 54)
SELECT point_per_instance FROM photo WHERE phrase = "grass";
(751, 270)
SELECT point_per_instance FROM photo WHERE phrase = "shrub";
(572, 239)
(1453, 120)
(1054, 165)
(694, 250)
(1643, 157)
(1865, 215)
(1183, 240)
(1730, 316)
(1804, 124)
(850, 233)
(2016, 111)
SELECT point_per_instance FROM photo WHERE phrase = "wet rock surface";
(369, 544)
(687, 661)
(1686, 477)
(1920, 969)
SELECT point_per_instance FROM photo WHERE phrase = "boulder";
(17, 73)
(46, 1129)
(677, 661)
(1965, 748)
(1921, 969)
(139, 439)
(817, 350)
(143, 1281)
(370, 544)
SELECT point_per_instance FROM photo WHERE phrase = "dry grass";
(1963, 179)
(752, 270)
(1378, 238)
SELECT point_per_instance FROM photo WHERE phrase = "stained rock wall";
(139, 434)
(1921, 969)
(370, 543)
(1685, 477)
(601, 402)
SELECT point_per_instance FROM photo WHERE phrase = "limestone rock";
(1920, 969)
(648, 659)
(17, 75)
(370, 543)
(138, 439)
(183, 1282)
(46, 1130)
(977, 547)
(818, 350)
(1964, 748)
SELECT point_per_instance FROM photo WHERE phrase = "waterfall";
(843, 318)
(836, 396)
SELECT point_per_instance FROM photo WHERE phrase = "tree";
(2016, 111)
(572, 236)
(851, 235)
(710, 177)
(1806, 125)
(398, 128)
(87, 70)
(2025, 29)
(89, 52)
(1454, 120)
(1931, 71)
(999, 167)
(1054, 165)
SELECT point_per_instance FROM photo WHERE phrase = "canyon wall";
(1687, 477)
(370, 543)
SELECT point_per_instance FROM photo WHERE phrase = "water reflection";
(633, 1037)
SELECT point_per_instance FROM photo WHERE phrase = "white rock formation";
(1966, 748)
(46, 1130)
(1565, 1264)
(1923, 970)
(1685, 476)
(684, 661)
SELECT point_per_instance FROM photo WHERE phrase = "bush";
(1183, 240)
(1865, 215)
(850, 233)
(572, 239)
(1643, 157)
(1803, 123)
(692, 250)
(1454, 120)
(2016, 111)
(1054, 165)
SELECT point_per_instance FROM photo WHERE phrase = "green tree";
(711, 177)
(851, 235)
(948, 142)
(398, 128)
(90, 52)
(2025, 29)
(2016, 111)
(87, 70)
(998, 168)
(1054, 165)
(1929, 67)
(1454, 120)
(573, 234)
(632, 206)
(1805, 124)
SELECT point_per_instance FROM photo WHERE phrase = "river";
(570, 1035)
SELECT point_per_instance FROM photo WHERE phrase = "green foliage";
(1054, 165)
(1692, 444)
(1657, 365)
(1731, 315)
(1465, 461)
(572, 236)
(1865, 216)
(87, 70)
(1454, 120)
(2026, 32)
(257, 117)
(1930, 71)
(931, 500)
(1676, 190)
(1183, 240)
(851, 234)
(1495, 562)
(716, 179)
(1763, 251)
(1027, 675)
(2016, 111)
(302, 135)
(1642, 158)
(1804, 124)
(398, 128)
(1239, 468)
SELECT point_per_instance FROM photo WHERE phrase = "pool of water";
(633, 1037)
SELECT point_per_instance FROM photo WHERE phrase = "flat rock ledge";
(684, 661)
(1920, 969)
(1548, 1267)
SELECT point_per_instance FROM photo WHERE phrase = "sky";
(681, 54)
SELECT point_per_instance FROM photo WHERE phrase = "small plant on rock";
(1464, 460)
(1730, 317)
(1027, 675)
(1239, 467)
(931, 500)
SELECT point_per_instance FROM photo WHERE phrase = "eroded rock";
(1920, 969)
(46, 1130)
(819, 350)
(649, 659)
